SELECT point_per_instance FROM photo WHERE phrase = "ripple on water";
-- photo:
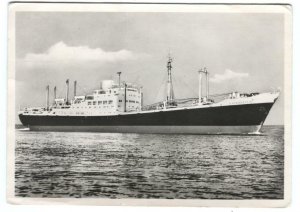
(112, 165)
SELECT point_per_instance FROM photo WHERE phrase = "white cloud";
(61, 52)
(228, 75)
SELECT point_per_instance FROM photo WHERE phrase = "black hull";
(221, 117)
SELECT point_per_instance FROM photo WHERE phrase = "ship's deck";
(260, 98)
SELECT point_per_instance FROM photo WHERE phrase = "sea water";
(116, 165)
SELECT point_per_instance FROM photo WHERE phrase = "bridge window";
(89, 103)
(104, 102)
(99, 102)
(110, 102)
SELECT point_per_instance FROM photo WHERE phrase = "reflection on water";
(112, 165)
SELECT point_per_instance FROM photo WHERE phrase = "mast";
(204, 71)
(170, 92)
(207, 83)
(141, 93)
(54, 91)
(119, 73)
(200, 86)
(67, 91)
(47, 97)
(125, 87)
(75, 85)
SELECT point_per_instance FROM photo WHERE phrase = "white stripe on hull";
(155, 129)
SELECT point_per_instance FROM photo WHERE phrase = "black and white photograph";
(125, 103)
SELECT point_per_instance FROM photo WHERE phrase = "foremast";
(170, 91)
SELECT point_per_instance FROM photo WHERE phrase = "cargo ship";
(118, 107)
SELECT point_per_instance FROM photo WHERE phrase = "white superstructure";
(108, 100)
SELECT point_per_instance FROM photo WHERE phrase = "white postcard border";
(224, 8)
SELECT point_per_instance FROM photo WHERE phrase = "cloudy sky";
(242, 52)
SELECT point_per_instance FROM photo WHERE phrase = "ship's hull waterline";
(234, 119)
(154, 129)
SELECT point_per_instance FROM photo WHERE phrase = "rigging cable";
(185, 84)
(162, 84)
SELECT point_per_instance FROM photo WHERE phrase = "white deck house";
(109, 100)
